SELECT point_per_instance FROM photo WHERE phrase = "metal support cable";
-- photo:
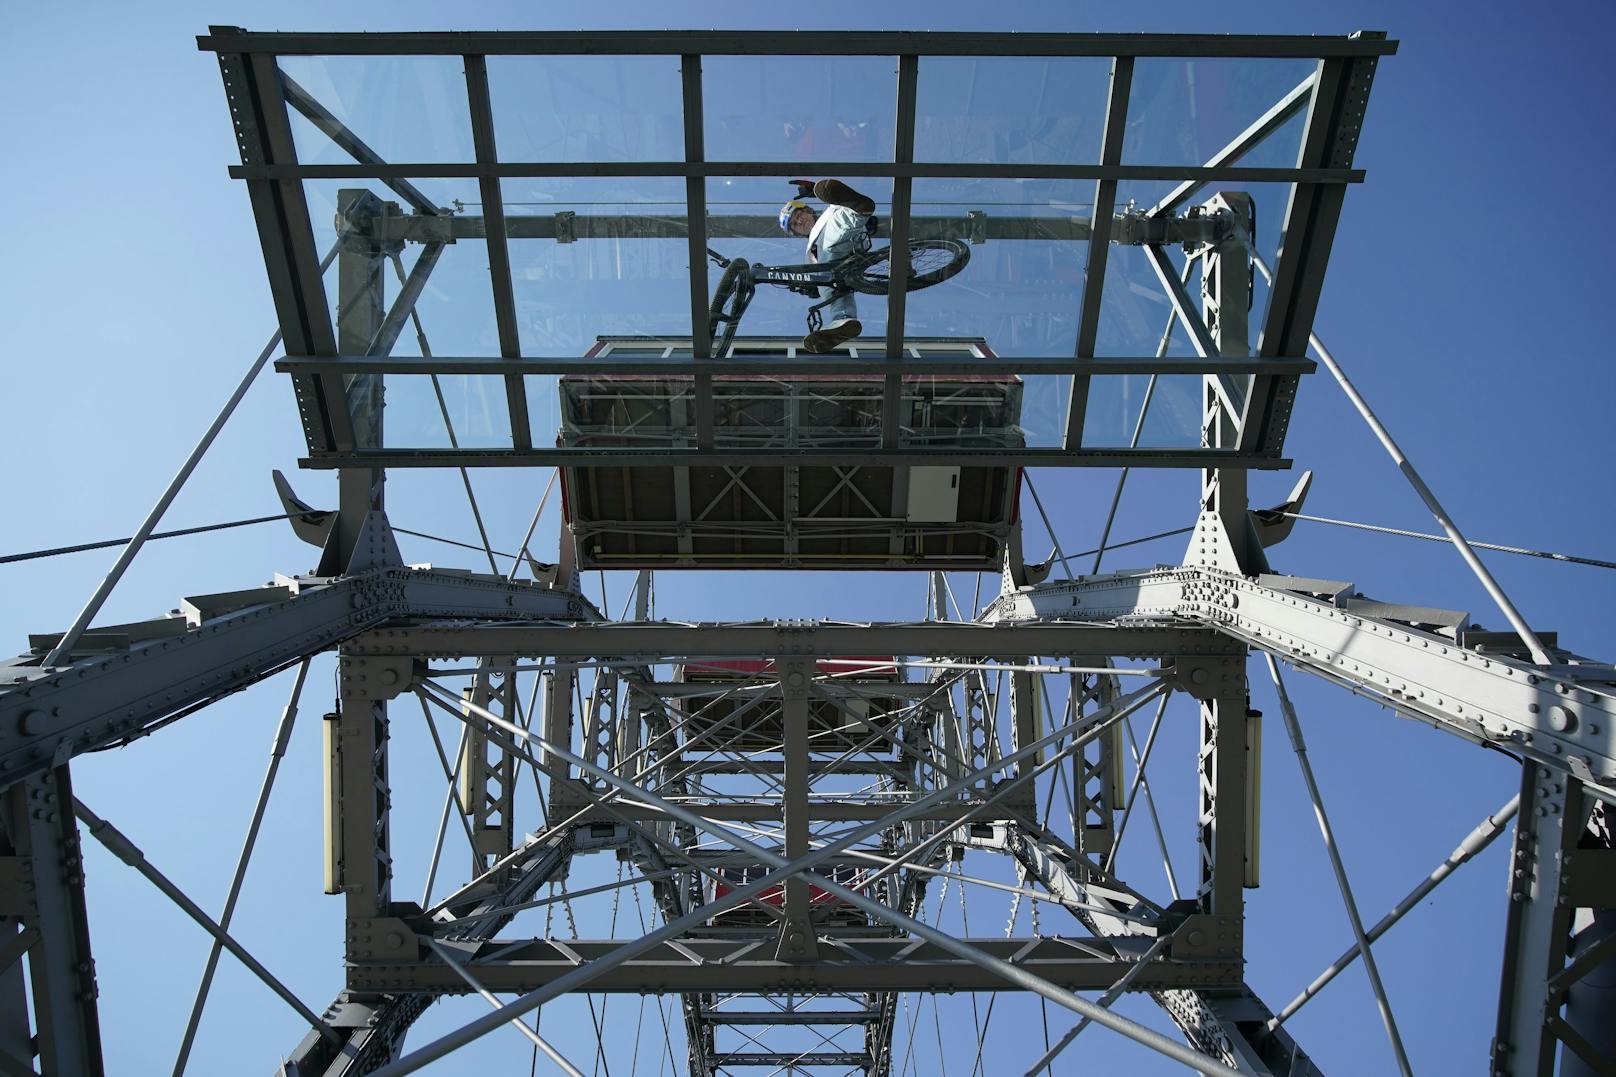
(1474, 842)
(277, 751)
(70, 638)
(124, 849)
(57, 551)
(520, 1025)
(1111, 996)
(1294, 727)
(1540, 654)
(1060, 555)
(534, 524)
(1499, 547)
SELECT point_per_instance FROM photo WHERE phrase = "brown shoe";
(825, 340)
(837, 193)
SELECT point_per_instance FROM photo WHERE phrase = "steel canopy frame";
(248, 59)
(644, 768)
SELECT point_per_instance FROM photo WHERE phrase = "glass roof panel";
(587, 108)
(1011, 109)
(421, 415)
(405, 108)
(1172, 420)
(625, 279)
(1182, 111)
(456, 307)
(1020, 294)
(807, 108)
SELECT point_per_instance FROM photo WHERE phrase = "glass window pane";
(405, 108)
(593, 257)
(1181, 112)
(1003, 109)
(799, 108)
(456, 307)
(1173, 419)
(587, 108)
(1023, 287)
(473, 407)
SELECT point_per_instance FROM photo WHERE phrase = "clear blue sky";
(1463, 297)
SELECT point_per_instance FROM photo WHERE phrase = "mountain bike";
(931, 261)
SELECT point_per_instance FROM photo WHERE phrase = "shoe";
(825, 340)
(837, 193)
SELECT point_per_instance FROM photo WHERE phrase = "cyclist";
(845, 227)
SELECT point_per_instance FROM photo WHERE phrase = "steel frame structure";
(786, 883)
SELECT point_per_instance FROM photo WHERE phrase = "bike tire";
(721, 324)
(936, 259)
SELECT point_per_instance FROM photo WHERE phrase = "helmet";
(787, 210)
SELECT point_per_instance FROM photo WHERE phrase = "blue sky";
(1464, 299)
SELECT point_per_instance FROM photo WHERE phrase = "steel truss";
(789, 800)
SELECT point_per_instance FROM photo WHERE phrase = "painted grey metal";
(878, 964)
(783, 366)
(499, 258)
(234, 39)
(44, 838)
(643, 642)
(142, 674)
(1228, 174)
(1560, 716)
(1099, 248)
(784, 869)
(978, 226)
(697, 457)
(1552, 816)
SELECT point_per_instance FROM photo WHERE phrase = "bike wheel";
(735, 292)
(931, 261)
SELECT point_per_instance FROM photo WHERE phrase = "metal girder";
(374, 1024)
(697, 457)
(1562, 862)
(1227, 174)
(749, 965)
(569, 227)
(1562, 716)
(373, 1028)
(1226, 1021)
(1105, 198)
(42, 887)
(125, 678)
(487, 771)
(790, 43)
(499, 257)
(642, 642)
(782, 366)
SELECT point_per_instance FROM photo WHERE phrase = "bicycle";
(931, 261)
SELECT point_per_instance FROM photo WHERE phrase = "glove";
(805, 187)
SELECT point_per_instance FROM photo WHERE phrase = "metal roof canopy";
(263, 98)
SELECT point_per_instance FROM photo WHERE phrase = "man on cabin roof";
(845, 227)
